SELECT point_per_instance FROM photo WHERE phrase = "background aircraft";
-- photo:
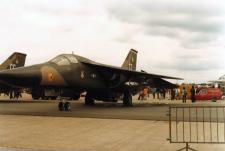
(15, 60)
(73, 74)
(220, 81)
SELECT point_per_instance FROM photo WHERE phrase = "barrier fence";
(197, 124)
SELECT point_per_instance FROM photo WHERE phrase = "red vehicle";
(209, 94)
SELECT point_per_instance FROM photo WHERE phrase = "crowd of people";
(13, 94)
(172, 94)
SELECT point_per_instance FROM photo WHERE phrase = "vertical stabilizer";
(15, 60)
(131, 61)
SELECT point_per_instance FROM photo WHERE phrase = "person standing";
(149, 91)
(145, 93)
(176, 94)
(140, 97)
(161, 94)
(153, 92)
(192, 94)
(157, 93)
(184, 95)
(11, 94)
(172, 94)
(164, 93)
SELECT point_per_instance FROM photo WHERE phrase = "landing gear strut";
(89, 100)
(64, 106)
(127, 99)
(35, 95)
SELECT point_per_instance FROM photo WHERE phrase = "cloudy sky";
(174, 37)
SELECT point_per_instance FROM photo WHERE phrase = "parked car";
(209, 94)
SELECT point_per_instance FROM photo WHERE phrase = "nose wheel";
(64, 106)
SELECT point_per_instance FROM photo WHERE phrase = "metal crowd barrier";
(196, 124)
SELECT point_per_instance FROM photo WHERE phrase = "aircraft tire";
(44, 98)
(53, 98)
(75, 97)
(61, 106)
(67, 106)
(89, 100)
(127, 99)
(35, 97)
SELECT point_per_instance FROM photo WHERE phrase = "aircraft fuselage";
(67, 72)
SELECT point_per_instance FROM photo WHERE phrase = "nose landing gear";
(64, 106)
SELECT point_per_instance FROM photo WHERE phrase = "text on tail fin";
(15, 60)
(130, 62)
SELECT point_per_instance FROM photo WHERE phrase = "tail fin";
(15, 60)
(131, 61)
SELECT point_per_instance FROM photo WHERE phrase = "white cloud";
(189, 22)
(166, 33)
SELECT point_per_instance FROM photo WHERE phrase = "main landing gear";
(64, 106)
(127, 99)
(89, 100)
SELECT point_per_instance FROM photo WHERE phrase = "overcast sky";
(174, 37)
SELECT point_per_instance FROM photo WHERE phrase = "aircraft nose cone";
(21, 77)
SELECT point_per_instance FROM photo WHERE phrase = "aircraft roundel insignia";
(50, 77)
(82, 74)
(17, 61)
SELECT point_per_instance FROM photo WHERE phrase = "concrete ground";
(142, 110)
(85, 134)
(25, 132)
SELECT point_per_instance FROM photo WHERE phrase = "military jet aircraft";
(220, 81)
(76, 74)
(15, 60)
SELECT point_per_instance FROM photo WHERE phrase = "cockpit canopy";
(64, 60)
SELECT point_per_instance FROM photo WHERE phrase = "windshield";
(72, 58)
(61, 61)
